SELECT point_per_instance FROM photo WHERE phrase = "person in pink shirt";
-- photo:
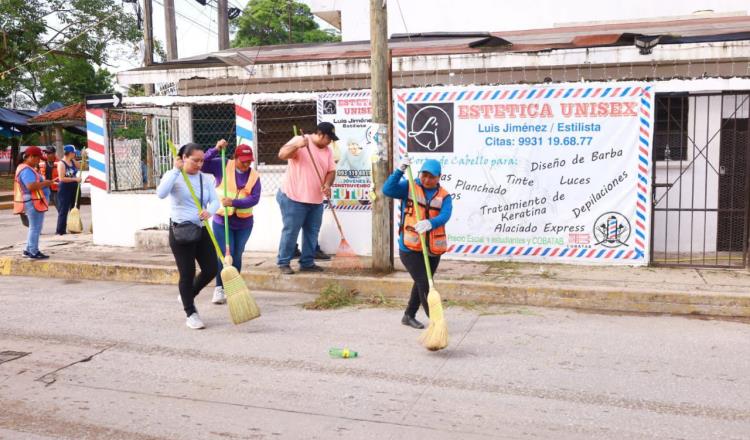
(301, 195)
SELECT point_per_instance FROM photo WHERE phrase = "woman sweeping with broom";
(188, 239)
(416, 220)
(238, 193)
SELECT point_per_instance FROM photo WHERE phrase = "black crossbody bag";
(188, 232)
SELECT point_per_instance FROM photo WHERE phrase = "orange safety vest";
(436, 240)
(37, 196)
(43, 172)
(238, 194)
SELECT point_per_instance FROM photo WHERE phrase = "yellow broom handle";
(197, 203)
(412, 190)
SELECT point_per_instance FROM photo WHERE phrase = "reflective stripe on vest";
(37, 196)
(238, 194)
(436, 240)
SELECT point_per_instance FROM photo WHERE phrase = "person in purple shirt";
(243, 192)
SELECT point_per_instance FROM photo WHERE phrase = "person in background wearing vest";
(67, 169)
(429, 194)
(243, 192)
(30, 195)
(48, 168)
(301, 195)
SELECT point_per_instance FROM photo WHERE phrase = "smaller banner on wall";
(557, 173)
(354, 152)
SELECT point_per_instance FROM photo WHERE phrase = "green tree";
(55, 50)
(267, 22)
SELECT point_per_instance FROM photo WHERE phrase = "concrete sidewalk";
(708, 292)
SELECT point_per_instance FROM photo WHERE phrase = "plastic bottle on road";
(342, 353)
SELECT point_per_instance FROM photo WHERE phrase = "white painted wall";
(116, 217)
(494, 15)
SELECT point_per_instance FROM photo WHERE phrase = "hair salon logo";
(329, 107)
(612, 230)
(430, 128)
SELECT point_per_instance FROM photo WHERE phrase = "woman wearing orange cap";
(243, 192)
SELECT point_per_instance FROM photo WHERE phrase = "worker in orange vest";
(30, 195)
(243, 191)
(48, 169)
(435, 207)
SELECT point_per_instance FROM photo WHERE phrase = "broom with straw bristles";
(242, 306)
(74, 224)
(436, 336)
(345, 258)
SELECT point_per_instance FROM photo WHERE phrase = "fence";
(139, 153)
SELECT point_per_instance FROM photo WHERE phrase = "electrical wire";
(188, 18)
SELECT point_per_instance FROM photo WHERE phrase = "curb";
(588, 298)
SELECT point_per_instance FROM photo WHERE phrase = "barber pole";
(96, 134)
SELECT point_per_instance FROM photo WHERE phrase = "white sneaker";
(194, 321)
(219, 297)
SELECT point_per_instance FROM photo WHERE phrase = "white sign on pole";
(351, 114)
(557, 173)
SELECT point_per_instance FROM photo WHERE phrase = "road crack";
(51, 377)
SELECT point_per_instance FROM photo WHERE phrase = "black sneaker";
(286, 270)
(411, 322)
(313, 268)
(320, 255)
(39, 256)
(297, 253)
(26, 254)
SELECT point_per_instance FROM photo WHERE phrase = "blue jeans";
(36, 221)
(237, 241)
(296, 216)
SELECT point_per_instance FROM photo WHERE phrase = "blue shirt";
(183, 207)
(26, 177)
(398, 188)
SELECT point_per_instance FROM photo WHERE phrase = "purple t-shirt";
(212, 165)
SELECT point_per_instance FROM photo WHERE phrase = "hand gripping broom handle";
(413, 192)
(322, 182)
(197, 203)
(226, 208)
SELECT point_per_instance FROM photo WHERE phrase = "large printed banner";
(351, 114)
(555, 173)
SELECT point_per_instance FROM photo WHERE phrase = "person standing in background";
(67, 169)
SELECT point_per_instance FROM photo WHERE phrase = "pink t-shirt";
(301, 183)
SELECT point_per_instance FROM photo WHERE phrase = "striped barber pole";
(245, 129)
(95, 133)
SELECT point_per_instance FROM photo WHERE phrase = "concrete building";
(699, 67)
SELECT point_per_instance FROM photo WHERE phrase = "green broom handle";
(197, 203)
(224, 183)
(412, 190)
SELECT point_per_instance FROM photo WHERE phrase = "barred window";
(275, 122)
(214, 122)
(671, 127)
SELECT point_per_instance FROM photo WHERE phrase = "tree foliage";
(54, 50)
(267, 22)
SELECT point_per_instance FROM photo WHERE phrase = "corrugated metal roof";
(692, 30)
(72, 114)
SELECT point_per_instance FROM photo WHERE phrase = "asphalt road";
(115, 361)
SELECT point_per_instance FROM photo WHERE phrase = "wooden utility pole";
(382, 229)
(148, 41)
(171, 28)
(223, 19)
